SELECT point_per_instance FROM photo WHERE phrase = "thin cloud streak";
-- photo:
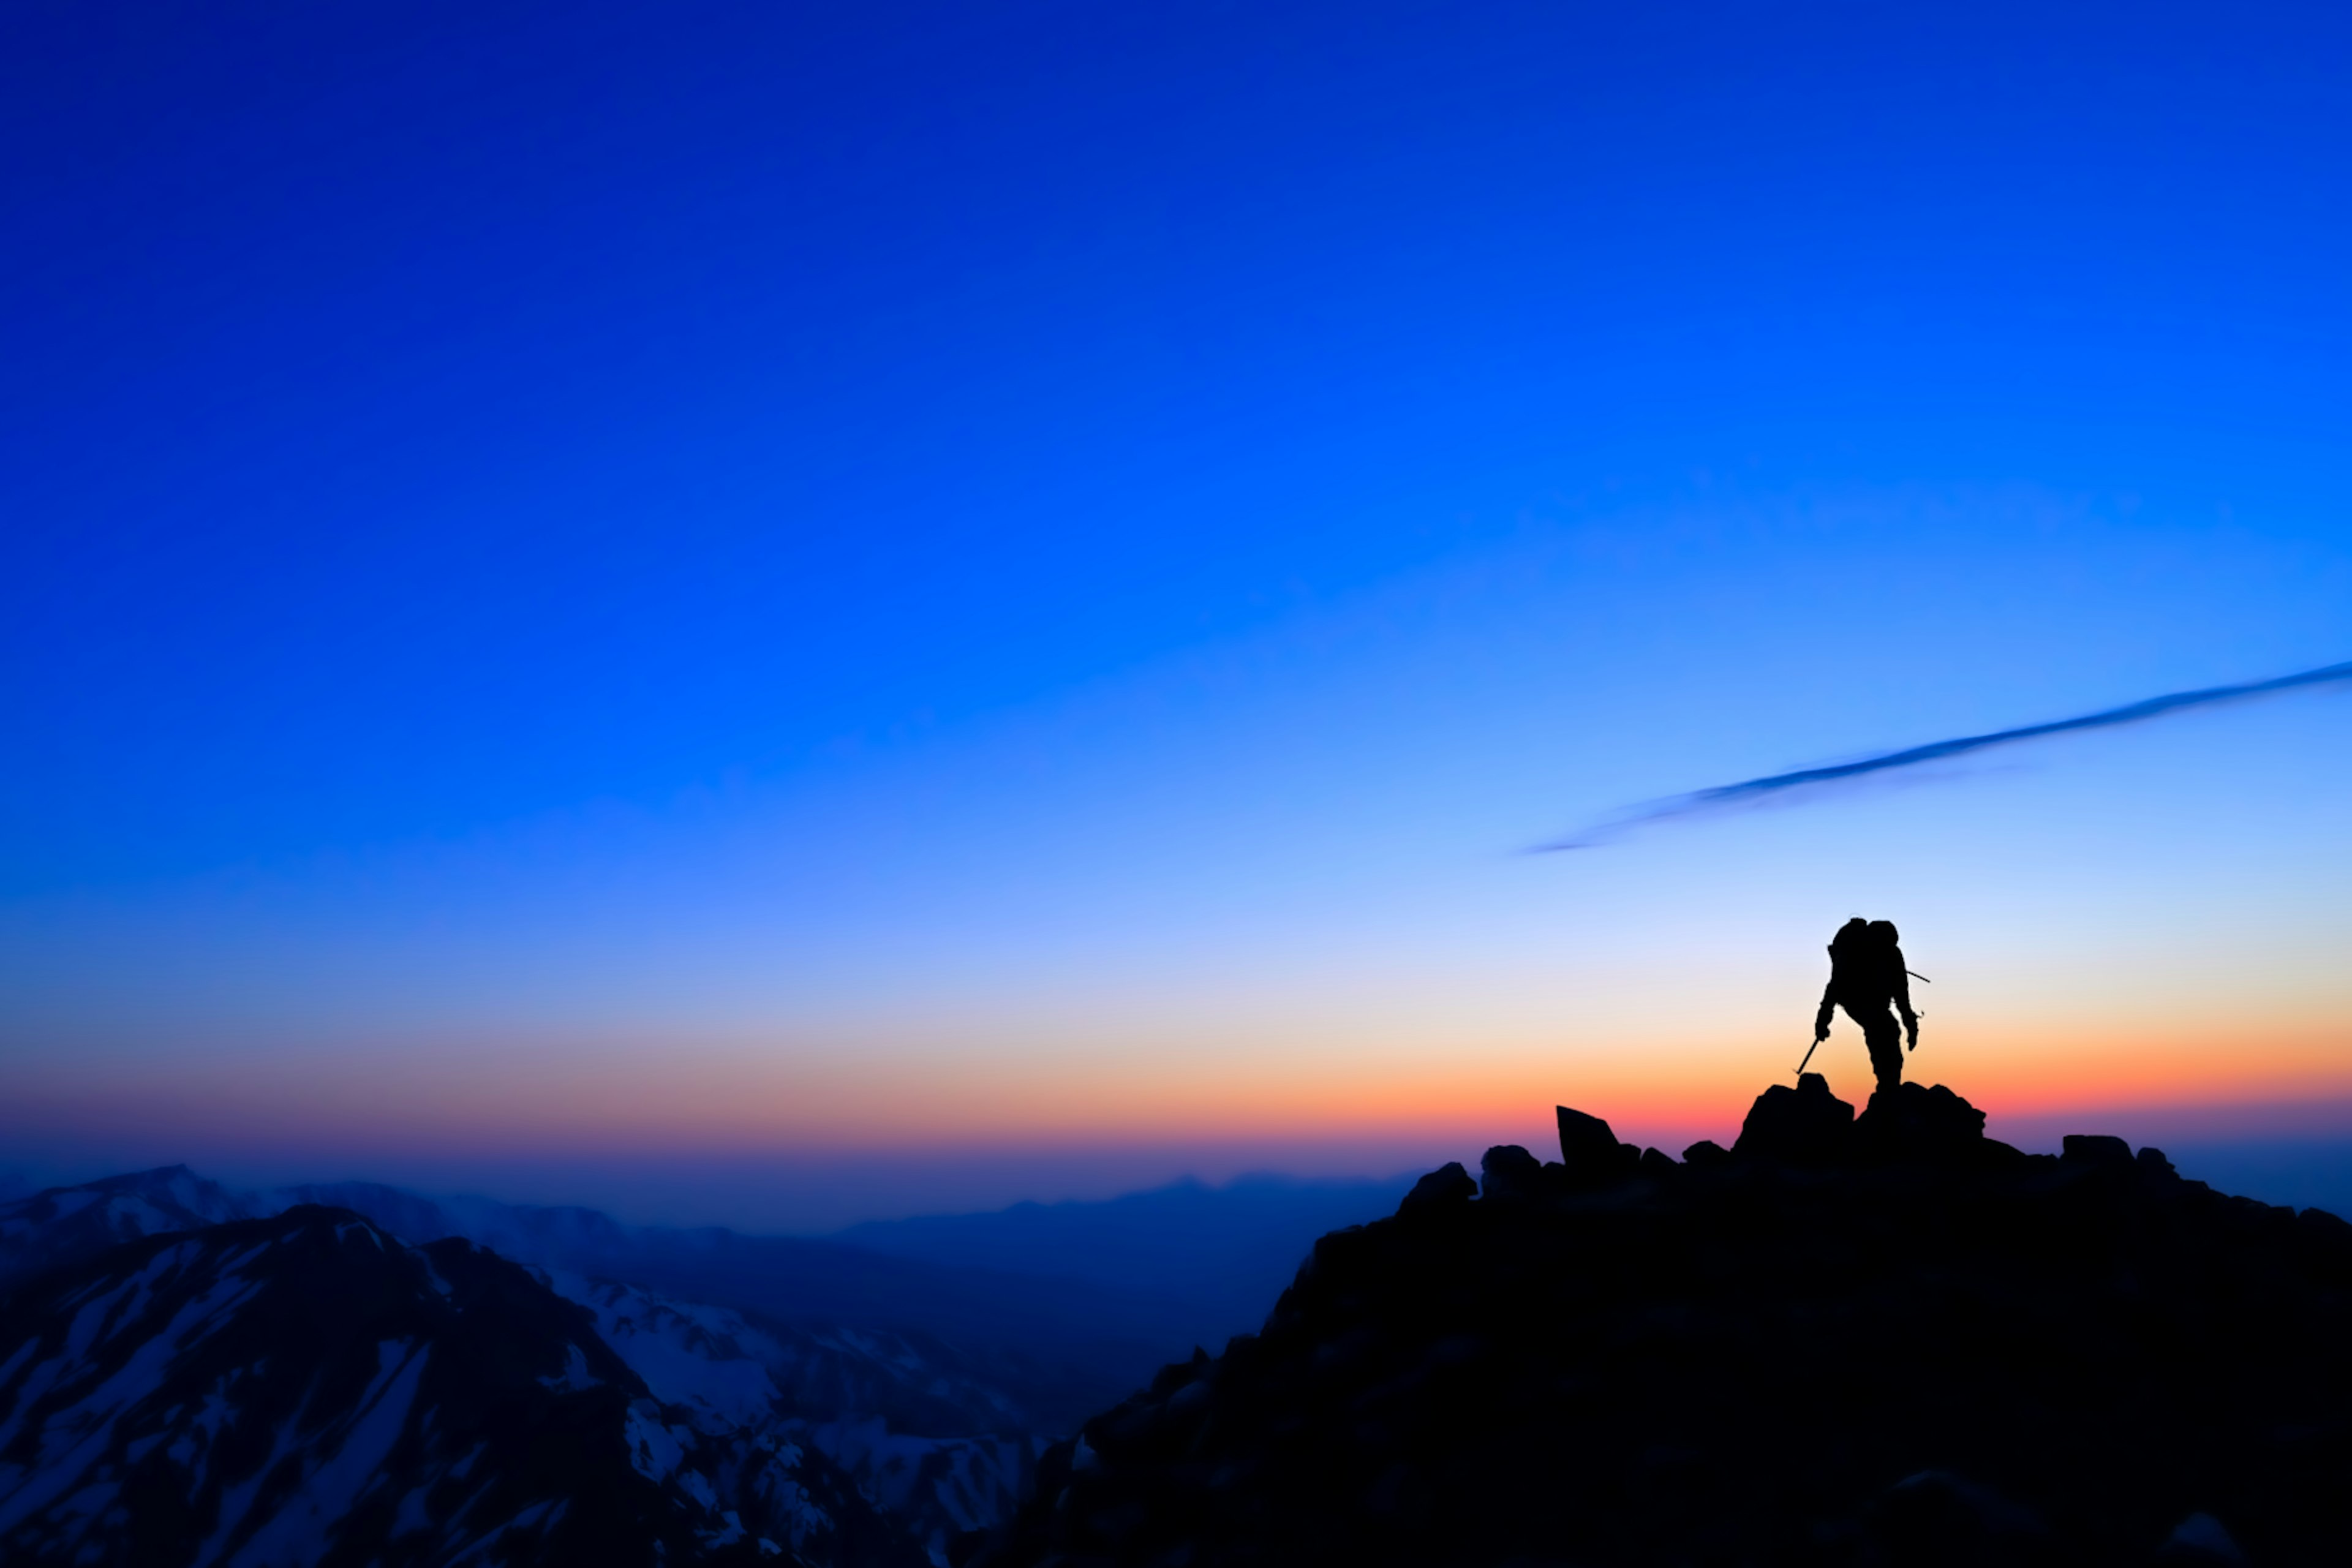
(1726, 796)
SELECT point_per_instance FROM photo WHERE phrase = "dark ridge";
(1846, 1341)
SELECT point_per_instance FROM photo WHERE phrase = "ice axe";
(1809, 1057)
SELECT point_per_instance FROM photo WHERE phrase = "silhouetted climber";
(1866, 973)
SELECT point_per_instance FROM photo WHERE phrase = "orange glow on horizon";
(708, 1100)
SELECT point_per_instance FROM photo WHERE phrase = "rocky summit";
(1881, 1339)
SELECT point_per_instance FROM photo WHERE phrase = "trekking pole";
(1809, 1057)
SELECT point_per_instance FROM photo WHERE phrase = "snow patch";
(654, 1452)
(575, 1377)
(298, 1534)
(707, 1358)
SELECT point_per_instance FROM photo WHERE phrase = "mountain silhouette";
(1874, 1339)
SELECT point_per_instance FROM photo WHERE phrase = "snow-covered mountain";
(942, 1456)
(797, 1346)
(906, 1367)
(67, 1223)
(307, 1389)
(940, 1453)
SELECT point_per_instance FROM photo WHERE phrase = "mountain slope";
(942, 1436)
(1888, 1342)
(944, 1459)
(305, 1389)
(63, 1224)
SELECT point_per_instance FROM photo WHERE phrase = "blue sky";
(839, 557)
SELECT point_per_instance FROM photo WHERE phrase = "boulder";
(1584, 1139)
(1510, 1173)
(1705, 1152)
(2097, 1149)
(1918, 1122)
(1806, 1125)
(1590, 1153)
(1444, 1187)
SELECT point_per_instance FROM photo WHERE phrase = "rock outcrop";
(1874, 1339)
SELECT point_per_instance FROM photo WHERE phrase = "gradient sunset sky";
(779, 613)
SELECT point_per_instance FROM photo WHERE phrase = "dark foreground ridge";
(1884, 1340)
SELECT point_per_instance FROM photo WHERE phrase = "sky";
(784, 614)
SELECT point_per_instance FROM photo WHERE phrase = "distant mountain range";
(1213, 1256)
(875, 1399)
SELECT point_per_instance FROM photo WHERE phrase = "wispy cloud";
(1732, 795)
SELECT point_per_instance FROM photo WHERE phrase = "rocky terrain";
(1884, 1340)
